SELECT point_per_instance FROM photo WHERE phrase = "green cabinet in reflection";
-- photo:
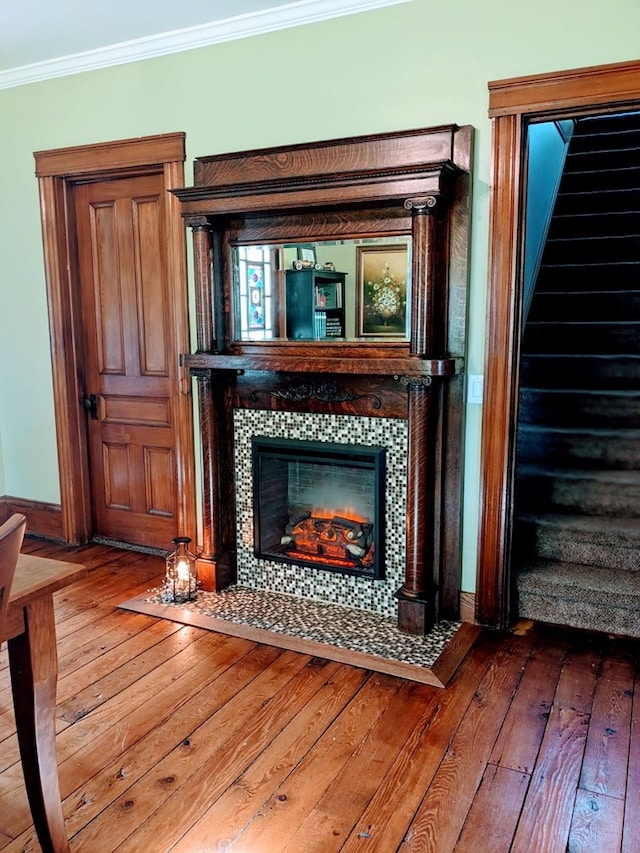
(314, 304)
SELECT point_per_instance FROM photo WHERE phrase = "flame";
(182, 570)
(327, 513)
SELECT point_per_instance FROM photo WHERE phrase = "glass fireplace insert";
(320, 504)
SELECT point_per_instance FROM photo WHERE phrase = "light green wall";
(414, 65)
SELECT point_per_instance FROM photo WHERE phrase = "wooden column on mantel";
(214, 562)
(417, 595)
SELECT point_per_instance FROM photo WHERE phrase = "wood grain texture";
(374, 153)
(441, 816)
(608, 740)
(492, 591)
(631, 830)
(170, 737)
(548, 807)
(494, 813)
(596, 824)
(580, 87)
(43, 518)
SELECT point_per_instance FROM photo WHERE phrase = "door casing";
(58, 171)
(598, 89)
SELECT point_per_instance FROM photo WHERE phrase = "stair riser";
(607, 132)
(622, 338)
(609, 201)
(583, 277)
(592, 250)
(571, 408)
(580, 614)
(576, 546)
(579, 451)
(578, 305)
(580, 496)
(617, 178)
(594, 131)
(551, 371)
(622, 154)
(594, 225)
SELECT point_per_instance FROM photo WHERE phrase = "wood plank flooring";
(174, 738)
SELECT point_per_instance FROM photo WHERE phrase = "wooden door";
(129, 362)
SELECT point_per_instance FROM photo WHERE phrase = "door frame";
(597, 89)
(58, 171)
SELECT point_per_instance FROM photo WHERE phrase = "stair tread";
(582, 580)
(595, 524)
(594, 323)
(592, 214)
(619, 476)
(588, 264)
(581, 294)
(627, 433)
(590, 392)
(600, 356)
(587, 238)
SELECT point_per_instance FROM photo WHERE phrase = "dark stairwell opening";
(576, 534)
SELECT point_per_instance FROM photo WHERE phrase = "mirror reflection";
(323, 291)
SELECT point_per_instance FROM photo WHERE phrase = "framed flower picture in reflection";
(382, 273)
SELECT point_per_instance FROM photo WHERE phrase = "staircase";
(576, 549)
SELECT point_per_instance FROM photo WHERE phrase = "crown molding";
(230, 29)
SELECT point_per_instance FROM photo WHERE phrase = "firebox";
(319, 504)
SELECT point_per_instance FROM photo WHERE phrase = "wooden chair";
(11, 535)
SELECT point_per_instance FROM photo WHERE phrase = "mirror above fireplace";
(328, 290)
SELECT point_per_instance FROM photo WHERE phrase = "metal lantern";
(181, 579)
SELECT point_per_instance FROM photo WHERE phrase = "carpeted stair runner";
(576, 555)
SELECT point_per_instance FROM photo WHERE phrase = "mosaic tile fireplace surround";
(363, 593)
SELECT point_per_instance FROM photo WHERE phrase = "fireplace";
(319, 504)
(375, 387)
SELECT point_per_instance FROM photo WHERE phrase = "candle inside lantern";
(180, 583)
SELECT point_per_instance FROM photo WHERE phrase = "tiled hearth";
(332, 631)
(361, 593)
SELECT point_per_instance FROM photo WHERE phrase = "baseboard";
(468, 607)
(43, 519)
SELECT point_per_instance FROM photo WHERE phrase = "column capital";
(197, 223)
(422, 204)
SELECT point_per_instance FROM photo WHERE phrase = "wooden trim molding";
(593, 90)
(500, 400)
(43, 519)
(58, 171)
(601, 85)
(108, 157)
(468, 607)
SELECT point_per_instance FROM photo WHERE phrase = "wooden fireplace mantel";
(331, 362)
(406, 183)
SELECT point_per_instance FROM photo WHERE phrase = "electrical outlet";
(475, 388)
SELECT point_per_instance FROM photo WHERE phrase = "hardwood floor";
(173, 738)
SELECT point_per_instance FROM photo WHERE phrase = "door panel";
(128, 364)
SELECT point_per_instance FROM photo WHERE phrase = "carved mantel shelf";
(318, 364)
